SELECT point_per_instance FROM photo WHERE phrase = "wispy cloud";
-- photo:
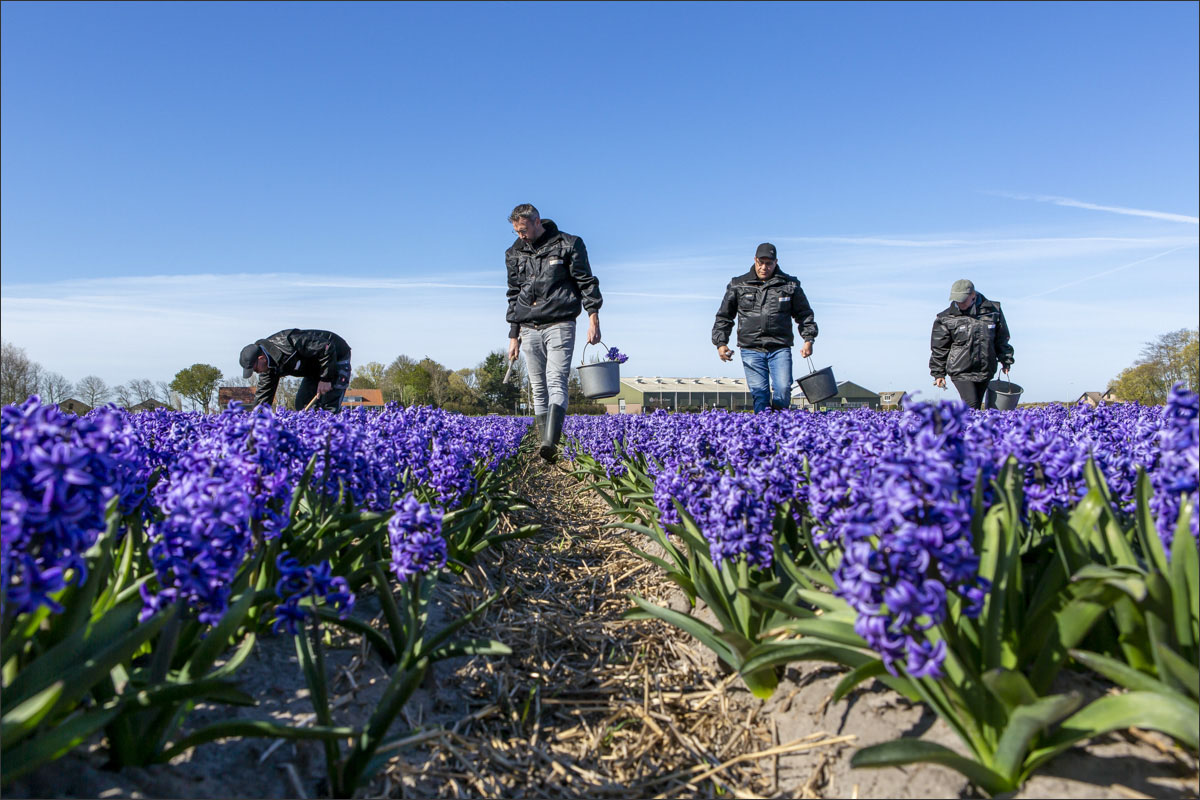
(385, 284)
(1101, 274)
(1132, 212)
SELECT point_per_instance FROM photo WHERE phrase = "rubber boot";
(539, 426)
(552, 433)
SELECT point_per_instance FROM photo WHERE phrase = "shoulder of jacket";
(569, 239)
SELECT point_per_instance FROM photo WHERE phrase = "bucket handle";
(583, 353)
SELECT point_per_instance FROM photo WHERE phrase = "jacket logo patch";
(554, 262)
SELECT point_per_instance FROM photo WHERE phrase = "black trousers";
(972, 393)
(331, 400)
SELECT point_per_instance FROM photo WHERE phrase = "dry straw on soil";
(589, 704)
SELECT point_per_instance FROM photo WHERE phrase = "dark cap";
(247, 358)
(765, 250)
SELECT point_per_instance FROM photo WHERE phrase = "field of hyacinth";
(967, 560)
(963, 558)
(143, 554)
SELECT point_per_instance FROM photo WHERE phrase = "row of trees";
(1169, 359)
(471, 390)
(20, 376)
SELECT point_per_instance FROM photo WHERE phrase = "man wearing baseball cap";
(321, 358)
(968, 340)
(765, 301)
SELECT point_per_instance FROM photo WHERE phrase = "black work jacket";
(965, 345)
(549, 280)
(764, 311)
(299, 353)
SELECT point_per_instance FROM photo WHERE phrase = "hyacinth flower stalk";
(418, 551)
(722, 578)
(998, 668)
(70, 487)
(616, 355)
(471, 522)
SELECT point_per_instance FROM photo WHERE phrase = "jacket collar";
(778, 276)
(540, 242)
(972, 310)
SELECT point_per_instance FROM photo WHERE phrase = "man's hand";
(939, 382)
(514, 349)
(593, 328)
(725, 353)
(323, 387)
(806, 350)
(1004, 370)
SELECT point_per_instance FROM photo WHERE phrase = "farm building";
(363, 398)
(645, 394)
(641, 395)
(243, 394)
(889, 401)
(850, 396)
(73, 406)
(148, 405)
(1094, 399)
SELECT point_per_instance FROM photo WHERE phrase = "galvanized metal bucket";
(602, 379)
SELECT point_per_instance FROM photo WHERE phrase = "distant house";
(363, 398)
(73, 406)
(147, 405)
(1094, 399)
(889, 401)
(243, 394)
(850, 396)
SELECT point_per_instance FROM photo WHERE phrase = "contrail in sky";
(1133, 212)
(1107, 272)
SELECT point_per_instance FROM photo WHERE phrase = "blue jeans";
(767, 369)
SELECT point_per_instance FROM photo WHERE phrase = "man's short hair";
(524, 211)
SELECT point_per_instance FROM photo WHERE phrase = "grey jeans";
(547, 353)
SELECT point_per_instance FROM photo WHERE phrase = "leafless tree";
(18, 374)
(237, 380)
(143, 390)
(55, 388)
(285, 392)
(93, 391)
(164, 394)
(122, 395)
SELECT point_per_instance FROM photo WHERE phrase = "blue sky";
(179, 179)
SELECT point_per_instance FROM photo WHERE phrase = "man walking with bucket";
(321, 358)
(549, 282)
(765, 301)
(968, 339)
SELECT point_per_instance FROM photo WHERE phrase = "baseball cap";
(961, 290)
(765, 250)
(247, 358)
